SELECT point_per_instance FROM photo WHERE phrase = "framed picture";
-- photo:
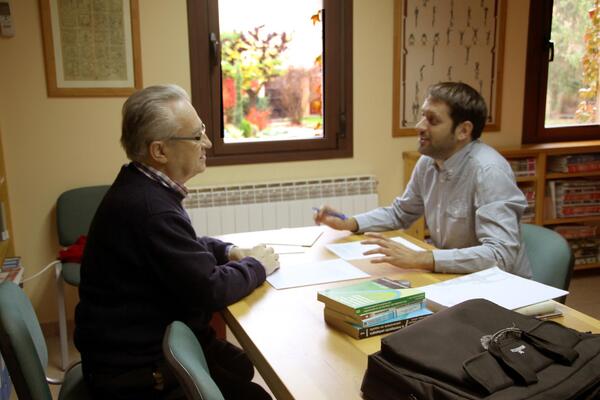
(446, 40)
(91, 48)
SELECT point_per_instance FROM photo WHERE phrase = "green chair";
(185, 357)
(550, 256)
(75, 209)
(25, 353)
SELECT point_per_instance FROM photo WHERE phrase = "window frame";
(203, 19)
(536, 81)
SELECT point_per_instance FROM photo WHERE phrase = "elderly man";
(465, 189)
(144, 266)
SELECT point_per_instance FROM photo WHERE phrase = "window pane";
(271, 66)
(572, 88)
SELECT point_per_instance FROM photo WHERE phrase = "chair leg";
(62, 317)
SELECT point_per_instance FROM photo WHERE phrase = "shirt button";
(438, 230)
(439, 206)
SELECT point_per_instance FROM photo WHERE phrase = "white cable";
(42, 271)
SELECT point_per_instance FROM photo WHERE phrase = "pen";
(332, 213)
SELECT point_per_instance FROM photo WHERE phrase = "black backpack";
(479, 350)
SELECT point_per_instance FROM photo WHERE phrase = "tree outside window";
(561, 99)
(271, 78)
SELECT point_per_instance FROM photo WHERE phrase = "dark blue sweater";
(144, 267)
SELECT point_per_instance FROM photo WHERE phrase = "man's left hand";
(396, 254)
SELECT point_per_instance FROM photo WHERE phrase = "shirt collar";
(160, 177)
(452, 163)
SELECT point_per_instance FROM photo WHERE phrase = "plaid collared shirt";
(158, 176)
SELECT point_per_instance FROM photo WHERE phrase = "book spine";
(384, 316)
(390, 303)
(364, 333)
(374, 318)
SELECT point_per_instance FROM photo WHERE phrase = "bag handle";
(562, 354)
(497, 343)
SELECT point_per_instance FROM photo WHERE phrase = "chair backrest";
(22, 344)
(75, 210)
(549, 254)
(185, 357)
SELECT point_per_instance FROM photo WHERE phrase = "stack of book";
(574, 198)
(574, 163)
(373, 307)
(529, 214)
(523, 166)
(584, 241)
(12, 270)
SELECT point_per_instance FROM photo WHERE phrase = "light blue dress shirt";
(472, 206)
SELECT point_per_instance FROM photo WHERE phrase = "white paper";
(284, 249)
(288, 276)
(406, 243)
(493, 284)
(305, 236)
(355, 250)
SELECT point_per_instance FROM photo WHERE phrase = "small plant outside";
(572, 94)
(267, 93)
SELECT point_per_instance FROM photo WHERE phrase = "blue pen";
(332, 213)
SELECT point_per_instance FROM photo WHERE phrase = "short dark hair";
(464, 102)
(148, 115)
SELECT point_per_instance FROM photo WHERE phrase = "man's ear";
(464, 131)
(156, 152)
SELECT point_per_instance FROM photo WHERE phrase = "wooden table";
(294, 350)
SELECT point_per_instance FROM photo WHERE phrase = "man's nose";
(421, 125)
(206, 143)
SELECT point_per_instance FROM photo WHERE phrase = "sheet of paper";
(355, 250)
(284, 249)
(406, 243)
(505, 289)
(304, 236)
(288, 276)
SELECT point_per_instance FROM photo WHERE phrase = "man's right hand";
(267, 257)
(327, 215)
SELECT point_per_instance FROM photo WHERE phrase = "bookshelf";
(6, 250)
(533, 175)
(6, 246)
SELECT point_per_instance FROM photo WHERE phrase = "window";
(561, 88)
(272, 79)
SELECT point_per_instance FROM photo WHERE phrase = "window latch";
(342, 133)
(214, 47)
(550, 51)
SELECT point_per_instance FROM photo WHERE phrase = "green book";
(369, 296)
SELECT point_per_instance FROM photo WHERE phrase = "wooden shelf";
(587, 266)
(526, 178)
(569, 175)
(574, 220)
(4, 246)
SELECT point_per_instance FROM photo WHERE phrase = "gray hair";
(147, 116)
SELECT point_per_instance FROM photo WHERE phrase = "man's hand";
(396, 254)
(267, 257)
(237, 253)
(326, 215)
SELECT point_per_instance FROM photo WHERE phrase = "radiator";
(219, 210)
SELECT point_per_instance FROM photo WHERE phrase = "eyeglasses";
(196, 138)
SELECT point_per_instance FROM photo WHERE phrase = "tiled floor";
(584, 296)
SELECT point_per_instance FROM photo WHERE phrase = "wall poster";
(91, 47)
(446, 40)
